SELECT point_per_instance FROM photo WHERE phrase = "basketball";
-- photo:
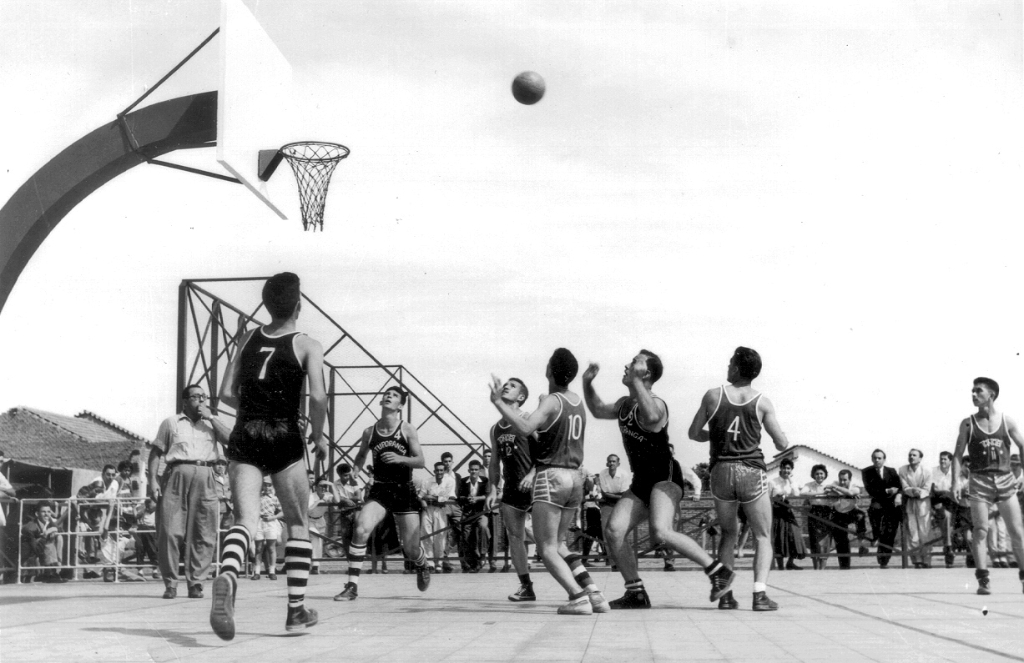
(528, 88)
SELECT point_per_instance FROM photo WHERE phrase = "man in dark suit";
(883, 485)
(472, 492)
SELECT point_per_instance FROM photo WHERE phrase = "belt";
(200, 463)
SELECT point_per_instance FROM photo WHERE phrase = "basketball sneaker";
(721, 581)
(423, 577)
(580, 606)
(764, 604)
(598, 602)
(222, 611)
(524, 593)
(728, 602)
(633, 599)
(984, 586)
(350, 593)
(300, 618)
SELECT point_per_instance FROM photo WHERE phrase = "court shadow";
(173, 637)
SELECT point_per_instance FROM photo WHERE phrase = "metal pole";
(182, 336)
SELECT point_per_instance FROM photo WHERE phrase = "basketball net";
(313, 164)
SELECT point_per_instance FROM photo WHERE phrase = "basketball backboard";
(254, 95)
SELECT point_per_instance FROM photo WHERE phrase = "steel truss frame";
(214, 314)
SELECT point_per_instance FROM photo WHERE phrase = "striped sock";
(635, 585)
(580, 572)
(714, 567)
(298, 556)
(356, 555)
(233, 552)
(421, 557)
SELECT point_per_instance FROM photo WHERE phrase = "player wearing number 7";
(264, 384)
(734, 415)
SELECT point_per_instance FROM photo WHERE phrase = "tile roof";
(789, 451)
(53, 440)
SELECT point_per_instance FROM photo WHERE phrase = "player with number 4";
(556, 478)
(734, 415)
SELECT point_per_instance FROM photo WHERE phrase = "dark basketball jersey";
(561, 443)
(647, 452)
(396, 443)
(989, 452)
(736, 432)
(270, 379)
(514, 451)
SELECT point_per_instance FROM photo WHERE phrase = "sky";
(837, 185)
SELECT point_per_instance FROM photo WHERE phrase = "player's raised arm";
(229, 385)
(598, 408)
(538, 419)
(653, 411)
(771, 424)
(697, 431)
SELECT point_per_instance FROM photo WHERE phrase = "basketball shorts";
(560, 486)
(992, 488)
(733, 481)
(644, 482)
(397, 498)
(270, 445)
(517, 499)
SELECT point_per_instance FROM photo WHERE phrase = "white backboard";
(254, 95)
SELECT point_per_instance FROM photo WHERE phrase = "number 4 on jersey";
(734, 428)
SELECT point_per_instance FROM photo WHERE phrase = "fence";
(82, 548)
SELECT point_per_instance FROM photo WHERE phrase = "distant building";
(62, 453)
(804, 458)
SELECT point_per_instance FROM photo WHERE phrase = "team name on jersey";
(384, 445)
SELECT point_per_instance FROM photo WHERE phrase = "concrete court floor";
(865, 614)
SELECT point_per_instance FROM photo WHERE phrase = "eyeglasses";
(197, 397)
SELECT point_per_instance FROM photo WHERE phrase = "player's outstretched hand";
(319, 448)
(495, 387)
(592, 370)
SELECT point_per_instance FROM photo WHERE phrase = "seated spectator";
(944, 507)
(916, 486)
(348, 497)
(42, 545)
(787, 537)
(819, 516)
(844, 514)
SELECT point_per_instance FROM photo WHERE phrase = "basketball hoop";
(313, 164)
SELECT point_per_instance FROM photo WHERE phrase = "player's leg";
(370, 516)
(623, 519)
(665, 497)
(246, 484)
(409, 536)
(547, 530)
(979, 535)
(728, 522)
(515, 527)
(292, 488)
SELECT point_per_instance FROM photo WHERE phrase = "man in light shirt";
(435, 496)
(943, 504)
(845, 512)
(613, 482)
